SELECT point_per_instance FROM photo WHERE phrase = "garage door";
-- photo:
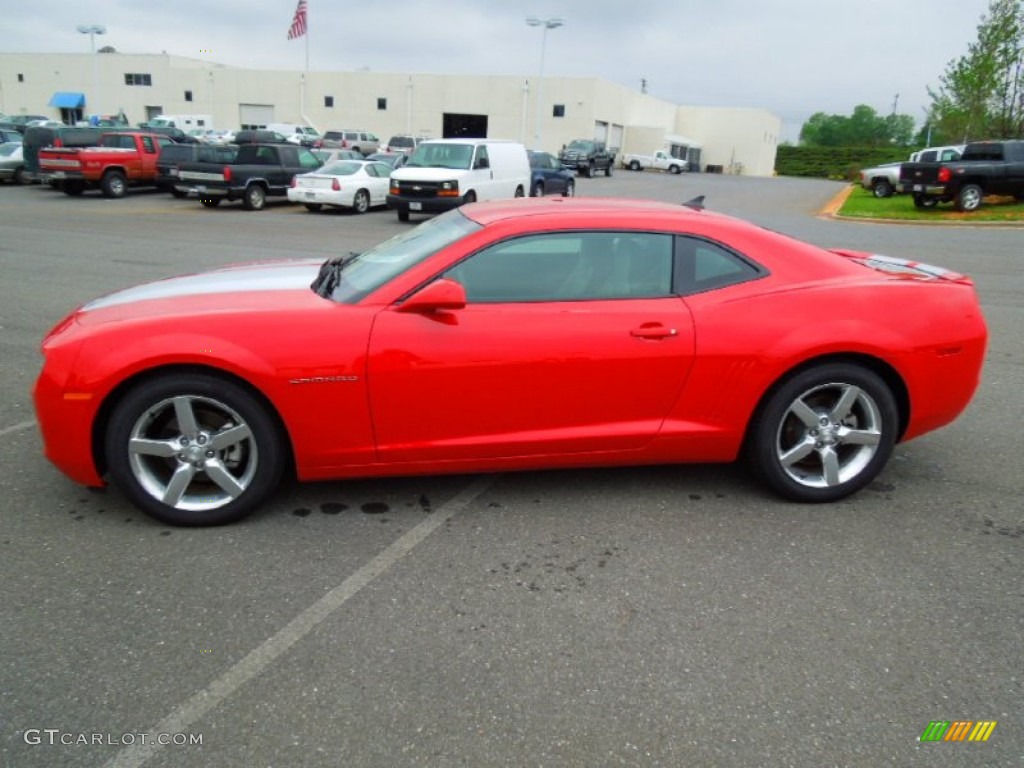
(252, 116)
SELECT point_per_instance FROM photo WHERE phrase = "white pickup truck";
(660, 160)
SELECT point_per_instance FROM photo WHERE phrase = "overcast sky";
(792, 57)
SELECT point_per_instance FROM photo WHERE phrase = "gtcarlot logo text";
(55, 737)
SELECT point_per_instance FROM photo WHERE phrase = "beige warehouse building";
(69, 86)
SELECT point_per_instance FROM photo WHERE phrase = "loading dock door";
(254, 116)
(456, 126)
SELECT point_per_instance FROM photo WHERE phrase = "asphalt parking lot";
(653, 616)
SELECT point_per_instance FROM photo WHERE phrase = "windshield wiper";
(330, 274)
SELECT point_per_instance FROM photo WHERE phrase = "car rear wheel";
(675, 169)
(520, 192)
(361, 201)
(608, 170)
(634, 165)
(255, 198)
(969, 198)
(882, 188)
(192, 449)
(538, 189)
(824, 433)
(313, 207)
(570, 189)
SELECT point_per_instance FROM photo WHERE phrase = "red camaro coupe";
(508, 336)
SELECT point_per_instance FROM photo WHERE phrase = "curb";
(832, 207)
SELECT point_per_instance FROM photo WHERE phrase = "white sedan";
(352, 184)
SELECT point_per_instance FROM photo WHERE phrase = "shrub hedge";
(840, 163)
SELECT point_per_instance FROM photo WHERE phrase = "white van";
(442, 174)
(182, 122)
(296, 134)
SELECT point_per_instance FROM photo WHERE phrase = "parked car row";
(437, 176)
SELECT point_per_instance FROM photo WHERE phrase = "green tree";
(981, 94)
(863, 128)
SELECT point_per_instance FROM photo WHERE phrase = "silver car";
(361, 141)
(12, 163)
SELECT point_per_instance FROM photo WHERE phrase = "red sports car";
(508, 336)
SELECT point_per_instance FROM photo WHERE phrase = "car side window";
(308, 160)
(702, 265)
(576, 266)
(482, 160)
(147, 144)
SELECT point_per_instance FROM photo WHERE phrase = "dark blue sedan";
(549, 176)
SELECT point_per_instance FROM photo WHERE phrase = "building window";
(558, 110)
(188, 95)
(21, 78)
(137, 79)
(382, 103)
(329, 102)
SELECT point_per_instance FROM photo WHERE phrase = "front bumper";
(423, 204)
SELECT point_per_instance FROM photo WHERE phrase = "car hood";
(239, 279)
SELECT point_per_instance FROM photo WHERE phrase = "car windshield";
(8, 149)
(369, 270)
(400, 141)
(344, 168)
(441, 156)
(585, 146)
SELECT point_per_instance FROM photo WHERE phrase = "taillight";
(295, 182)
(335, 185)
(227, 173)
(944, 174)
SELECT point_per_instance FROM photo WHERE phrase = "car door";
(569, 343)
(377, 184)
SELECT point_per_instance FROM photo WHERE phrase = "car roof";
(615, 210)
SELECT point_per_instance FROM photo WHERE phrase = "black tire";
(634, 165)
(969, 198)
(210, 202)
(538, 189)
(882, 188)
(675, 169)
(113, 184)
(924, 201)
(19, 176)
(403, 214)
(805, 460)
(469, 197)
(213, 469)
(570, 189)
(608, 170)
(361, 201)
(313, 207)
(590, 171)
(520, 192)
(72, 188)
(255, 197)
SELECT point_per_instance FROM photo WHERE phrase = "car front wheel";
(192, 449)
(570, 189)
(538, 190)
(361, 202)
(824, 433)
(882, 188)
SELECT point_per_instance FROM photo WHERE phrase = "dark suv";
(259, 137)
(174, 155)
(587, 157)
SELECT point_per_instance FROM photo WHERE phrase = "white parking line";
(17, 427)
(263, 656)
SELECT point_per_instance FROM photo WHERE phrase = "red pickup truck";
(121, 159)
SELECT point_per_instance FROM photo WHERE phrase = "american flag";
(298, 27)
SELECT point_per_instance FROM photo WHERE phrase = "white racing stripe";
(265, 654)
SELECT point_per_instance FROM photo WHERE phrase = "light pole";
(545, 25)
(92, 30)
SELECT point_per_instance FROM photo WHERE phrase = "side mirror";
(440, 294)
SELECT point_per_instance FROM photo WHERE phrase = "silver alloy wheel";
(192, 453)
(828, 435)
